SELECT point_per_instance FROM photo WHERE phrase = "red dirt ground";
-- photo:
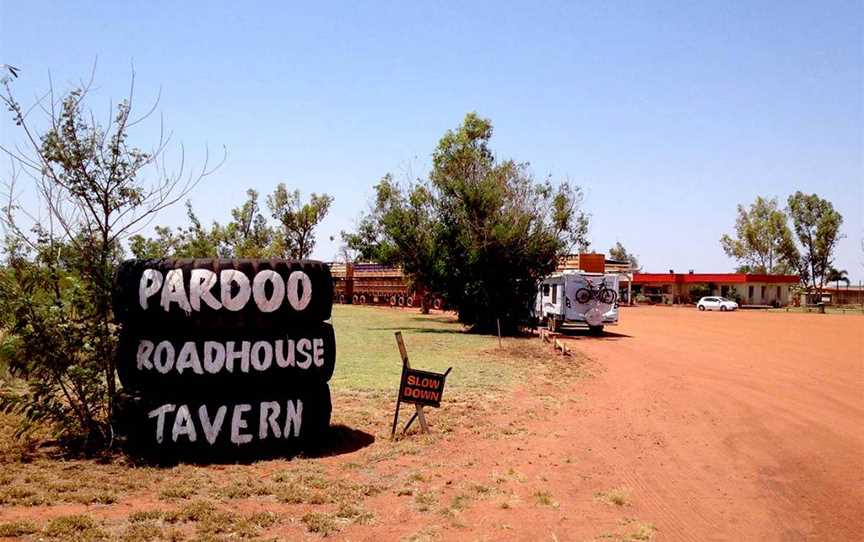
(712, 426)
(723, 426)
(733, 426)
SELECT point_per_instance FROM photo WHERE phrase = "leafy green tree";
(248, 234)
(817, 227)
(93, 192)
(480, 231)
(618, 252)
(761, 232)
(297, 221)
(193, 241)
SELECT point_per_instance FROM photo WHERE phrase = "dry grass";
(544, 498)
(618, 496)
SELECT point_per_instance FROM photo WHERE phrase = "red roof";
(723, 278)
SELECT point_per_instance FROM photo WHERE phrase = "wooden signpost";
(421, 388)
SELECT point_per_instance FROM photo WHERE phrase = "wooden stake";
(498, 321)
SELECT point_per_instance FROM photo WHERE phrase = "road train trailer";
(376, 284)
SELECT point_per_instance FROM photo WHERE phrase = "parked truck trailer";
(376, 284)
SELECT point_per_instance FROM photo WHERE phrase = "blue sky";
(667, 114)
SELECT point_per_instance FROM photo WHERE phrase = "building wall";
(669, 293)
(753, 293)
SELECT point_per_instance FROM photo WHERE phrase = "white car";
(716, 304)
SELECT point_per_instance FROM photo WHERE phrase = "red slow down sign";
(421, 387)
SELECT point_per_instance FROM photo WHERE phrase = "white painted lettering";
(151, 281)
(142, 357)
(183, 425)
(296, 299)
(163, 357)
(231, 355)
(214, 356)
(303, 348)
(174, 291)
(255, 356)
(211, 430)
(159, 414)
(260, 294)
(232, 276)
(293, 417)
(201, 283)
(269, 413)
(285, 357)
(188, 359)
(318, 348)
(238, 423)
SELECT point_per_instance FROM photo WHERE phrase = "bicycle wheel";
(583, 296)
(607, 296)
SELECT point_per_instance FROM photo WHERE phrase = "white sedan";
(716, 304)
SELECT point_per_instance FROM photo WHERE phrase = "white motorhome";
(577, 297)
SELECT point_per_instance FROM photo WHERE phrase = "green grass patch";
(367, 357)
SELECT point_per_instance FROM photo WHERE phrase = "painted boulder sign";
(223, 358)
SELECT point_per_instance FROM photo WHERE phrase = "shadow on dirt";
(580, 334)
(341, 439)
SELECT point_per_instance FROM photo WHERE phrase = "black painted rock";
(221, 293)
(219, 363)
(168, 429)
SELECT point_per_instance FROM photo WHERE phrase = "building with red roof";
(746, 288)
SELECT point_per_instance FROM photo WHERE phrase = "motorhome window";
(554, 293)
(546, 290)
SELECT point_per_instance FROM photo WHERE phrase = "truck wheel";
(355, 299)
(409, 301)
(392, 300)
(362, 299)
(401, 301)
(342, 298)
(595, 330)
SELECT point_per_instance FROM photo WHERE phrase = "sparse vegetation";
(544, 498)
(17, 528)
(618, 496)
(75, 528)
(320, 522)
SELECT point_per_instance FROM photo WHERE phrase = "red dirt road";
(731, 426)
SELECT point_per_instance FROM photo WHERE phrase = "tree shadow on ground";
(417, 330)
(443, 319)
